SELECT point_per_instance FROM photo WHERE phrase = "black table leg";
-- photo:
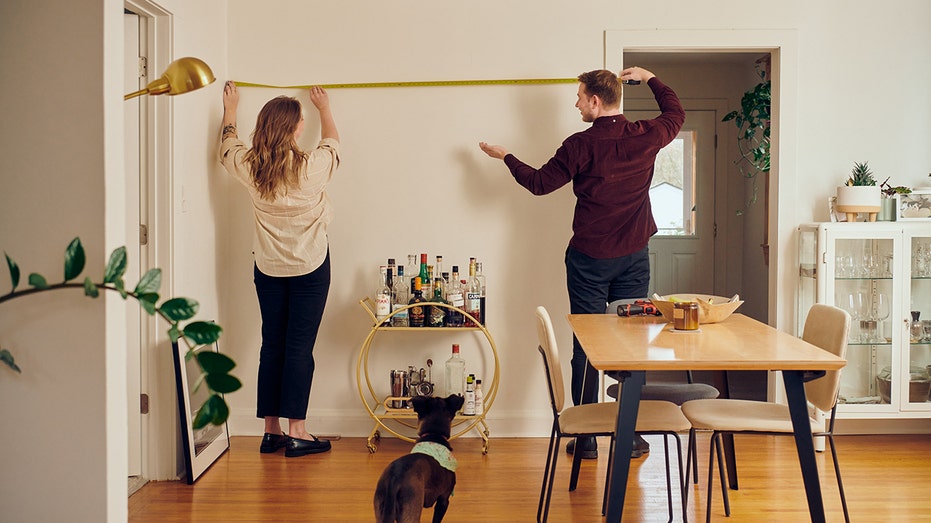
(798, 411)
(730, 460)
(631, 386)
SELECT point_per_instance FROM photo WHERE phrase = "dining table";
(632, 345)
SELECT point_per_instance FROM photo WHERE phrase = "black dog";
(426, 475)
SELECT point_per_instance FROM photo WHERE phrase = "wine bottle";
(383, 297)
(455, 372)
(481, 283)
(473, 298)
(425, 282)
(416, 316)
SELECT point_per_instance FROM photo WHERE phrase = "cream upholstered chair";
(826, 327)
(598, 419)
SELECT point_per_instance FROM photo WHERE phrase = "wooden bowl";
(711, 309)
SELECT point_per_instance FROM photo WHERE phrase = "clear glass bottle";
(436, 316)
(479, 398)
(401, 299)
(411, 270)
(383, 297)
(455, 373)
(481, 282)
(915, 327)
(438, 270)
(473, 298)
(468, 406)
(456, 298)
(416, 316)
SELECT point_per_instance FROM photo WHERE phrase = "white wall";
(401, 142)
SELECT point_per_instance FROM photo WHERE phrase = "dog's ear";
(420, 404)
(454, 403)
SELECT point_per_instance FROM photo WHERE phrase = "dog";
(427, 475)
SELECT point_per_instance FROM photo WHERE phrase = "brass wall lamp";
(182, 75)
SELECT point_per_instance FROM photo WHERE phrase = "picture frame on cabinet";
(205, 445)
(915, 206)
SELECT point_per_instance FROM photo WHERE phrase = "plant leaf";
(74, 259)
(214, 411)
(214, 362)
(7, 357)
(223, 383)
(90, 289)
(147, 301)
(202, 332)
(14, 271)
(116, 267)
(119, 286)
(177, 309)
(150, 282)
(38, 281)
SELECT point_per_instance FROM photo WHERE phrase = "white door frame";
(159, 427)
(783, 46)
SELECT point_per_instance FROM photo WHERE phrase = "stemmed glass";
(880, 314)
(856, 305)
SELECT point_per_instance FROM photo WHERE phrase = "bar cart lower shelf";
(403, 421)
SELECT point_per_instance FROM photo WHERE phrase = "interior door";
(126, 316)
(682, 196)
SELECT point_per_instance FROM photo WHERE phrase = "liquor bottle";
(455, 372)
(424, 274)
(436, 316)
(473, 298)
(428, 283)
(479, 398)
(401, 298)
(416, 315)
(383, 297)
(456, 298)
(468, 407)
(481, 282)
(438, 270)
(412, 269)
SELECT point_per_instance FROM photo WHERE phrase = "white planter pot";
(859, 198)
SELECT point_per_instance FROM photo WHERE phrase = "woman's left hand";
(230, 96)
(319, 97)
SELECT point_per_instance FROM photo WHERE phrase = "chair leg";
(840, 483)
(604, 498)
(721, 471)
(548, 472)
(683, 479)
(710, 479)
(668, 477)
(576, 465)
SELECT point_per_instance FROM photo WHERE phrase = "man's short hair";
(603, 84)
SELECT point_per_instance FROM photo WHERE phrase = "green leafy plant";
(753, 131)
(215, 367)
(889, 191)
(861, 175)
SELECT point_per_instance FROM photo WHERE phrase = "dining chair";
(826, 326)
(598, 419)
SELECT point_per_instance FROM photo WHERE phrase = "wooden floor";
(887, 478)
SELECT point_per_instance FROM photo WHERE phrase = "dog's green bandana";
(439, 452)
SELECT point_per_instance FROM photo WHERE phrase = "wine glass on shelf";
(881, 310)
(855, 304)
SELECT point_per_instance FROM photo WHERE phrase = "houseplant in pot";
(859, 194)
(889, 200)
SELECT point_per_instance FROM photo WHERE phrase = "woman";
(292, 260)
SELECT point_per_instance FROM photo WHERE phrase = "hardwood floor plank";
(886, 478)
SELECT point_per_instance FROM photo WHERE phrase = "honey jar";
(685, 316)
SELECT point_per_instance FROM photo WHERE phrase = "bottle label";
(474, 305)
(382, 305)
(456, 300)
(400, 318)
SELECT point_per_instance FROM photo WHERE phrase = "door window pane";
(672, 193)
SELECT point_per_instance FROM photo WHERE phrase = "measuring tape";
(437, 83)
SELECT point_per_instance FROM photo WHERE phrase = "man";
(610, 166)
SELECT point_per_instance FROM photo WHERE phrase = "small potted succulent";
(890, 200)
(859, 194)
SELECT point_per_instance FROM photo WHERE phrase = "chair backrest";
(550, 354)
(827, 327)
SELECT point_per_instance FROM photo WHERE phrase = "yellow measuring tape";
(436, 83)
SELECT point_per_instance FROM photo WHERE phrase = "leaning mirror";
(201, 446)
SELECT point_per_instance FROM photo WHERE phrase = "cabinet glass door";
(915, 391)
(863, 286)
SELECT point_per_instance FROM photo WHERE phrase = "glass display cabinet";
(880, 273)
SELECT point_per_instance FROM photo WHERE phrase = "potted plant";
(859, 194)
(889, 200)
(753, 132)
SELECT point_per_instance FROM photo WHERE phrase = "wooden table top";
(738, 343)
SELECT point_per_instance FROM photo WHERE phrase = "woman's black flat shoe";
(273, 442)
(300, 447)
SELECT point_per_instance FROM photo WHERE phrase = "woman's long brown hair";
(275, 159)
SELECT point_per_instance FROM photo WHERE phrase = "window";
(672, 193)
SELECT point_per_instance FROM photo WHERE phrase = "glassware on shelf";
(855, 303)
(915, 332)
(881, 310)
(926, 331)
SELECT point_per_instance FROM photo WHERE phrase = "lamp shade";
(182, 75)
